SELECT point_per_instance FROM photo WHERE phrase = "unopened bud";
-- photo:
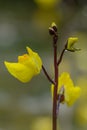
(54, 26)
(51, 31)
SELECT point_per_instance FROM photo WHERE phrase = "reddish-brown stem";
(49, 78)
(56, 98)
(56, 84)
(61, 55)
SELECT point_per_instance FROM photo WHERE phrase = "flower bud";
(54, 26)
(51, 31)
(70, 44)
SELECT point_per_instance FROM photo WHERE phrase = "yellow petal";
(70, 44)
(72, 41)
(53, 24)
(29, 50)
(72, 94)
(22, 59)
(64, 79)
(19, 71)
(35, 60)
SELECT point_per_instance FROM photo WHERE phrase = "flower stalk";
(53, 32)
(55, 38)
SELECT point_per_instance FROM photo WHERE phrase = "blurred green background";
(25, 23)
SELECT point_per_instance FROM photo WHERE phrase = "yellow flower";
(47, 3)
(70, 44)
(71, 92)
(28, 65)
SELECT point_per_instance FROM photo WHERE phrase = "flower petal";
(35, 60)
(70, 44)
(71, 95)
(20, 71)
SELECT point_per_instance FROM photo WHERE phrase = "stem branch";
(61, 55)
(49, 78)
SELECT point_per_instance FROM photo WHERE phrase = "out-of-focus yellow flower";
(81, 114)
(28, 65)
(71, 92)
(47, 3)
(70, 44)
(42, 123)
